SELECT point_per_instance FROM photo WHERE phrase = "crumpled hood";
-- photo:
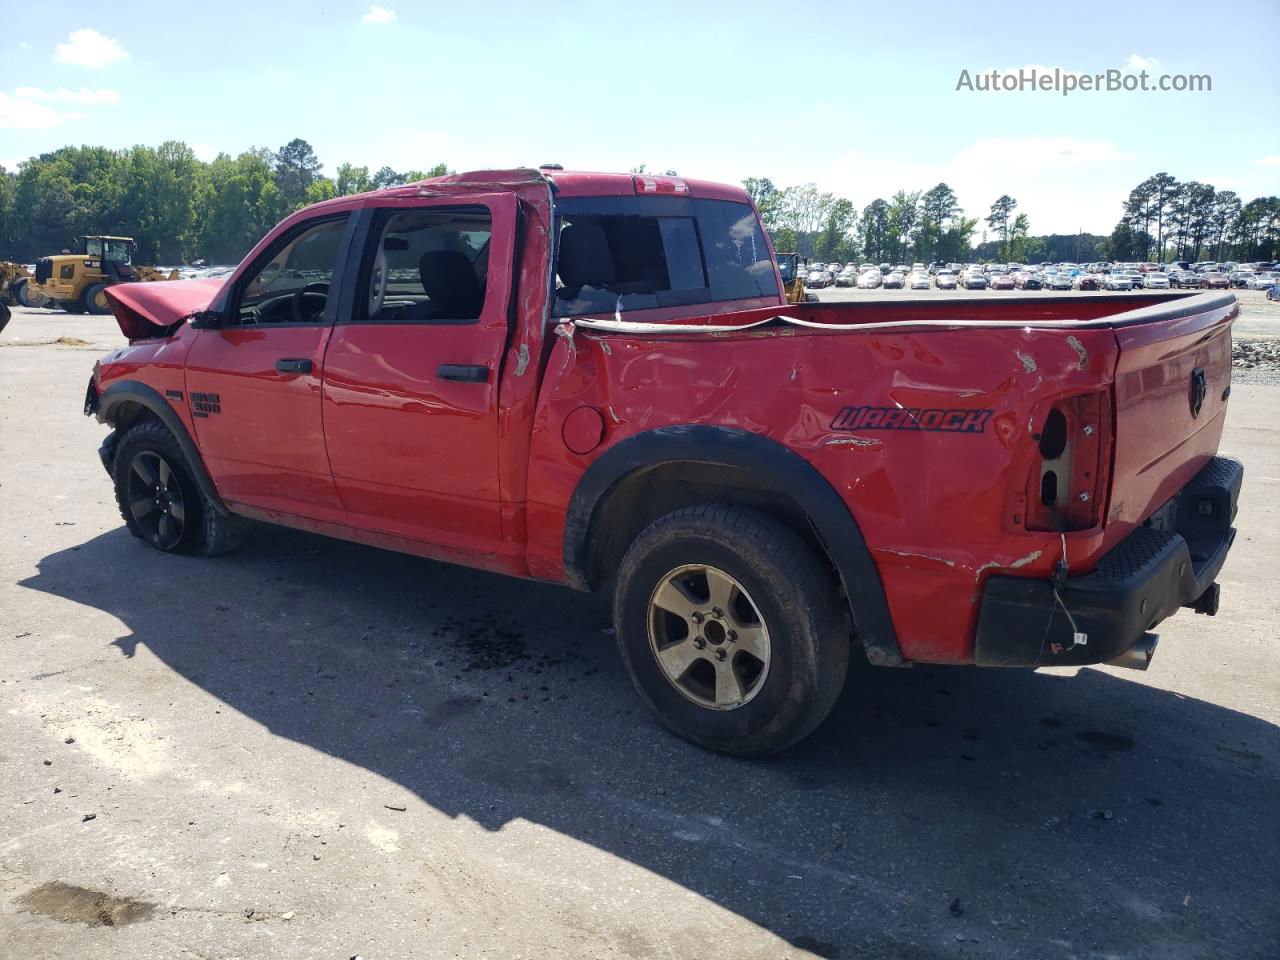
(144, 309)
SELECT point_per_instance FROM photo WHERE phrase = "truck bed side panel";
(932, 504)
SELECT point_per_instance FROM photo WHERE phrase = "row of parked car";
(1046, 276)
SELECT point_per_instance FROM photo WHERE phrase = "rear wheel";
(731, 628)
(95, 299)
(160, 501)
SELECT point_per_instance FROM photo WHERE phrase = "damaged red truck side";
(594, 379)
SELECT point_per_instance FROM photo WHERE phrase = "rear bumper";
(1170, 562)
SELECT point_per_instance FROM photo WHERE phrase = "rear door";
(410, 389)
(253, 385)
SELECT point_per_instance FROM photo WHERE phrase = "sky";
(858, 98)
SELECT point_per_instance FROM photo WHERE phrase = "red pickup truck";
(594, 379)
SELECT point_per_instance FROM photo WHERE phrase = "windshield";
(107, 248)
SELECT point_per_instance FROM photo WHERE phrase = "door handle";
(463, 373)
(293, 365)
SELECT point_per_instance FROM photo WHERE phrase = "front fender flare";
(762, 458)
(131, 391)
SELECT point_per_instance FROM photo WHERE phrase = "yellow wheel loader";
(793, 271)
(14, 282)
(77, 282)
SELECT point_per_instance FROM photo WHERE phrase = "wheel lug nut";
(717, 612)
(699, 642)
(719, 654)
(698, 617)
(733, 636)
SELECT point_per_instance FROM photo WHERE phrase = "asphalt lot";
(315, 749)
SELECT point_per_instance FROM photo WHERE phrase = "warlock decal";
(906, 418)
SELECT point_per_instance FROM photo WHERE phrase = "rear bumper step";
(1172, 562)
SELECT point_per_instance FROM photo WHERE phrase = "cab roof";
(566, 183)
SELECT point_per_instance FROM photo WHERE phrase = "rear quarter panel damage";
(934, 505)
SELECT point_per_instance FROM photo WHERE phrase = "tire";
(149, 460)
(24, 296)
(782, 603)
(90, 300)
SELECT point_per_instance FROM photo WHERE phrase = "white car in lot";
(1117, 281)
(944, 280)
(1155, 281)
(870, 280)
(1265, 280)
(919, 281)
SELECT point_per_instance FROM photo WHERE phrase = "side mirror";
(206, 320)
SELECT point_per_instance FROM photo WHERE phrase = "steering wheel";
(317, 290)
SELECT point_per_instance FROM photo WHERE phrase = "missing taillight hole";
(1054, 438)
(1049, 487)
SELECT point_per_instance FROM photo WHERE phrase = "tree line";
(1167, 220)
(177, 207)
(1162, 220)
(923, 226)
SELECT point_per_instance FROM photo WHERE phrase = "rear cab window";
(635, 253)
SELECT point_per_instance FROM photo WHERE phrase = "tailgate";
(1173, 376)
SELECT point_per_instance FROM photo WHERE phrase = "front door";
(253, 385)
(411, 376)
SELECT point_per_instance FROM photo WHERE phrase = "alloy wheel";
(155, 499)
(708, 637)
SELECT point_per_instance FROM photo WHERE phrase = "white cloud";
(16, 114)
(379, 14)
(1271, 161)
(1138, 62)
(62, 95)
(204, 152)
(89, 48)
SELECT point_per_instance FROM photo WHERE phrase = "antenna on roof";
(550, 166)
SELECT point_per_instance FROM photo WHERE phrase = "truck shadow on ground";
(936, 808)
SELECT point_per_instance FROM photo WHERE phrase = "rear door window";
(632, 253)
(737, 257)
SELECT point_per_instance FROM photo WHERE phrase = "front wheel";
(731, 628)
(26, 296)
(160, 501)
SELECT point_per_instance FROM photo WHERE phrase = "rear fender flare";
(768, 461)
(130, 391)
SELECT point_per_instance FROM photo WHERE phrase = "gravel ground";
(1255, 360)
(312, 749)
